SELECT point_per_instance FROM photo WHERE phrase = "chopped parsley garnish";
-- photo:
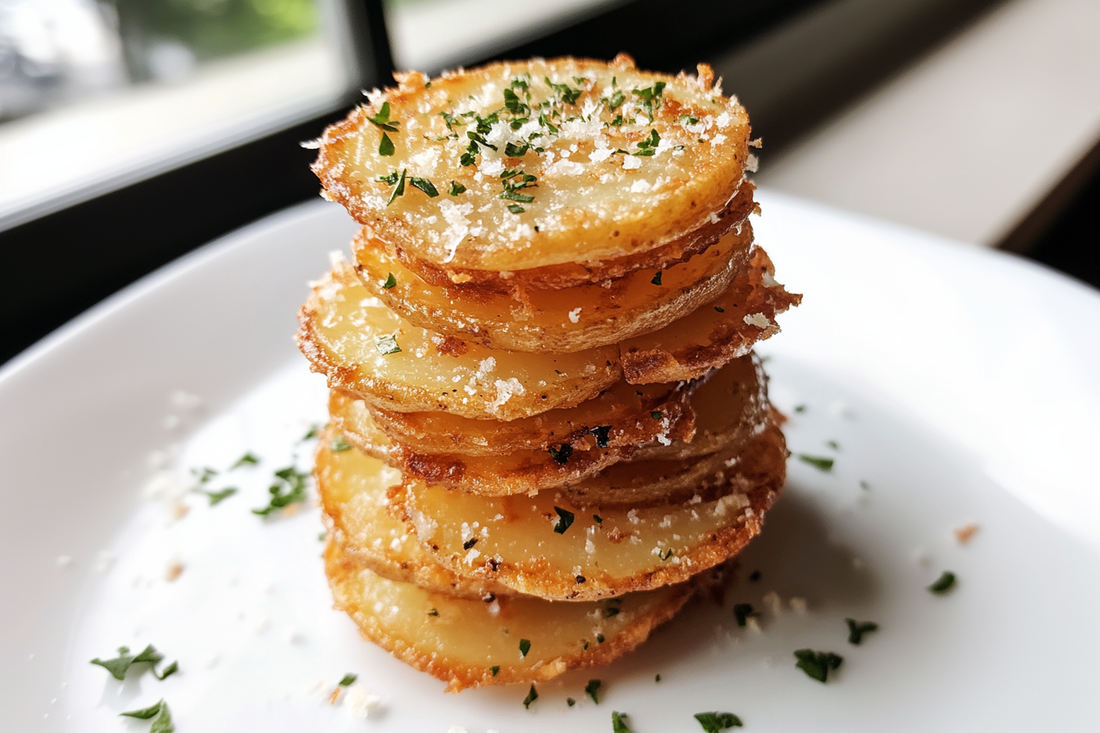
(944, 583)
(742, 612)
(799, 408)
(618, 723)
(217, 497)
(561, 453)
(817, 665)
(568, 94)
(397, 180)
(513, 104)
(204, 475)
(339, 444)
(433, 612)
(385, 146)
(456, 188)
(391, 282)
(451, 120)
(382, 119)
(656, 415)
(649, 145)
(547, 124)
(603, 435)
(717, 722)
(570, 701)
(754, 576)
(424, 185)
(657, 678)
(248, 459)
(689, 120)
(521, 197)
(313, 432)
(656, 279)
(856, 629)
(159, 714)
(564, 520)
(122, 663)
(821, 463)
(469, 543)
(524, 647)
(833, 444)
(592, 689)
(667, 554)
(616, 101)
(516, 208)
(597, 519)
(599, 638)
(864, 485)
(494, 669)
(532, 695)
(516, 151)
(387, 345)
(291, 489)
(470, 156)
(650, 98)
(720, 309)
(348, 679)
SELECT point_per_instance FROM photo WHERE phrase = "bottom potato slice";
(547, 546)
(714, 334)
(518, 472)
(353, 497)
(469, 643)
(625, 407)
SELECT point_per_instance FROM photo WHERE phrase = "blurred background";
(132, 131)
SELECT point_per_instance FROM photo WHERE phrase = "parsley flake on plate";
(159, 714)
(817, 665)
(340, 444)
(348, 679)
(716, 722)
(217, 497)
(290, 489)
(944, 583)
(248, 459)
(618, 723)
(742, 612)
(532, 695)
(592, 689)
(856, 629)
(570, 701)
(122, 663)
(821, 463)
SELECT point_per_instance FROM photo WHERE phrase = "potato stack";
(548, 429)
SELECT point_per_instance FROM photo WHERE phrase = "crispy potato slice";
(548, 547)
(518, 472)
(346, 334)
(573, 319)
(685, 147)
(624, 408)
(353, 496)
(469, 643)
(517, 283)
(730, 405)
(714, 334)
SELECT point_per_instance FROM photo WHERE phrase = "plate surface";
(958, 386)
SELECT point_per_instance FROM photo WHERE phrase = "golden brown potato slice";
(518, 283)
(518, 472)
(730, 405)
(469, 643)
(353, 496)
(548, 547)
(560, 123)
(573, 319)
(363, 346)
(714, 334)
(626, 411)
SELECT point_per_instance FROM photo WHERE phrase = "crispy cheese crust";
(684, 148)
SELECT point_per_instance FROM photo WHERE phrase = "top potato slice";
(364, 347)
(518, 165)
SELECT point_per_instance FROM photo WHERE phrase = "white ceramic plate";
(960, 387)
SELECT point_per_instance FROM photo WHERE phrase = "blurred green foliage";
(215, 28)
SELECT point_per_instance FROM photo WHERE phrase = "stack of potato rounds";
(548, 429)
